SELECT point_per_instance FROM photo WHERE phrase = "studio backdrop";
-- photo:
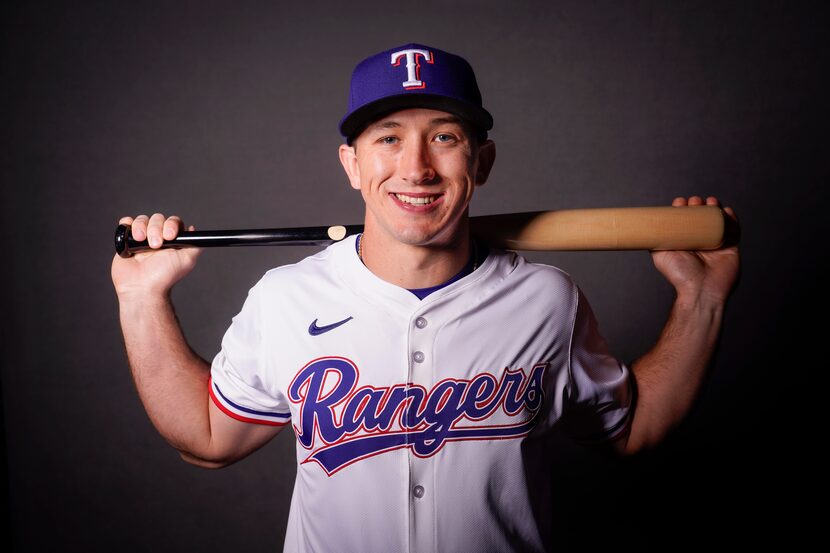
(226, 114)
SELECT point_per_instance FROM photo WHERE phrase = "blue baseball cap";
(413, 76)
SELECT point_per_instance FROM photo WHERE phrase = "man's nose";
(416, 163)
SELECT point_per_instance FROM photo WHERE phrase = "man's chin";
(440, 237)
(415, 238)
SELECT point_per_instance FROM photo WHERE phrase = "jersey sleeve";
(598, 398)
(238, 376)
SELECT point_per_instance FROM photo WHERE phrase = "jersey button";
(418, 356)
(420, 322)
(418, 491)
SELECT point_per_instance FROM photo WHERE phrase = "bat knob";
(122, 245)
(731, 232)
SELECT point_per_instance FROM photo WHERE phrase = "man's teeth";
(422, 200)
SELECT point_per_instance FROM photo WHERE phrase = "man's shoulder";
(520, 267)
(535, 285)
(312, 271)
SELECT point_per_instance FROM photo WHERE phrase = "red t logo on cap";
(412, 66)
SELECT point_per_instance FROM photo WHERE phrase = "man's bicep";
(232, 439)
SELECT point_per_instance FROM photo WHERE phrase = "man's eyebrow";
(392, 124)
(389, 124)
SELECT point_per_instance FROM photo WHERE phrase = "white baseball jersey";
(410, 414)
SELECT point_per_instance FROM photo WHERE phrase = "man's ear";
(486, 158)
(348, 159)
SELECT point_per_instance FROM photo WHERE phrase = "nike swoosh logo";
(315, 330)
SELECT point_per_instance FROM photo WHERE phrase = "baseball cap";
(413, 76)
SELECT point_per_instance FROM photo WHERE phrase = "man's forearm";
(670, 375)
(171, 379)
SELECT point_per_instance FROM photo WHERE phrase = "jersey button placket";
(418, 337)
(422, 374)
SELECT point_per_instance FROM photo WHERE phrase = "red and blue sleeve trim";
(245, 414)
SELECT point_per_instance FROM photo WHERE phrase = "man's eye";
(389, 140)
(444, 137)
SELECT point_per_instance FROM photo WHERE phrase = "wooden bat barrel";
(626, 228)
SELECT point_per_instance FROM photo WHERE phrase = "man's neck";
(411, 266)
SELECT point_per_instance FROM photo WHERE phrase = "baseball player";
(411, 361)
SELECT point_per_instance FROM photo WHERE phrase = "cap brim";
(355, 122)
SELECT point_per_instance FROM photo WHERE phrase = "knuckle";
(173, 224)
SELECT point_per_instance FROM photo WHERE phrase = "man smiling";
(417, 170)
(412, 361)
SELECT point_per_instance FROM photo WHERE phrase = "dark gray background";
(226, 114)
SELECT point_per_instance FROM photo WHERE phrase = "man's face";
(416, 170)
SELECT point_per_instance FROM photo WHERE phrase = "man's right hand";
(172, 380)
(154, 272)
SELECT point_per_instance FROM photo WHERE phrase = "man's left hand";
(700, 275)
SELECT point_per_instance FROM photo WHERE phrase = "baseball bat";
(626, 228)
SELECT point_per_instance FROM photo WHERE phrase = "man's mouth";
(416, 200)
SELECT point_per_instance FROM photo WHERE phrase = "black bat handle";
(126, 245)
